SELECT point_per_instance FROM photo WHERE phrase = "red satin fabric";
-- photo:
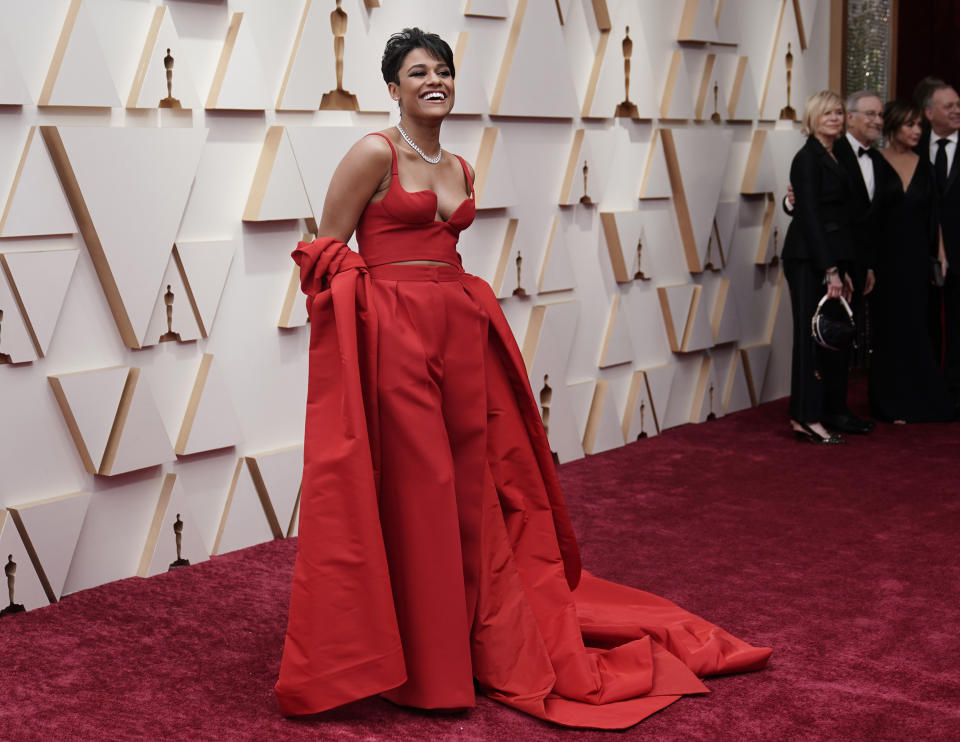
(434, 544)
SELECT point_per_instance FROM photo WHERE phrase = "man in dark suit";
(941, 107)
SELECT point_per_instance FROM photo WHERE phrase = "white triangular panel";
(494, 185)
(726, 316)
(701, 159)
(699, 333)
(742, 103)
(243, 522)
(546, 353)
(210, 421)
(36, 204)
(143, 441)
(534, 78)
(487, 8)
(183, 321)
(675, 306)
(638, 415)
(698, 22)
(206, 266)
(318, 151)
(92, 399)
(53, 526)
(300, 90)
(616, 347)
(602, 431)
(28, 590)
(78, 73)
(737, 394)
(13, 90)
(773, 98)
(135, 182)
(470, 62)
(277, 190)
(293, 313)
(594, 149)
(556, 270)
(759, 174)
(676, 101)
(626, 171)
(708, 393)
(160, 551)
(239, 82)
(622, 232)
(659, 381)
(755, 361)
(726, 226)
(609, 89)
(42, 278)
(16, 345)
(656, 179)
(150, 82)
(281, 472)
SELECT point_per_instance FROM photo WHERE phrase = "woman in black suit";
(818, 251)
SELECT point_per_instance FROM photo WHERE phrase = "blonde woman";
(817, 255)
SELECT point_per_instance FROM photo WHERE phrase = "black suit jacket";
(822, 226)
(948, 204)
(866, 215)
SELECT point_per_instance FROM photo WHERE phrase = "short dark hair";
(404, 42)
(897, 113)
(923, 93)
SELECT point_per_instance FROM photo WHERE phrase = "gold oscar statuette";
(627, 109)
(712, 415)
(709, 264)
(4, 357)
(715, 116)
(643, 410)
(519, 291)
(787, 113)
(169, 334)
(585, 199)
(10, 570)
(639, 275)
(178, 536)
(339, 99)
(775, 260)
(169, 101)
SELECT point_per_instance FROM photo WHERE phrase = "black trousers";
(818, 381)
(945, 332)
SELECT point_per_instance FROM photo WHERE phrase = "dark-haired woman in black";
(905, 383)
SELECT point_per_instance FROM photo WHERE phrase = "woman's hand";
(835, 287)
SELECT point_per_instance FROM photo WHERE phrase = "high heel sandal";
(809, 435)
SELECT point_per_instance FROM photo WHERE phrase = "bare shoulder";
(369, 152)
(473, 175)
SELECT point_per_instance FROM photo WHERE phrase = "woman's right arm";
(363, 171)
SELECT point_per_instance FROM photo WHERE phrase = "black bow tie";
(862, 151)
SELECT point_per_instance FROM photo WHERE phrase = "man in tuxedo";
(858, 158)
(941, 108)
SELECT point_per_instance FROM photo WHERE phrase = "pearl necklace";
(408, 140)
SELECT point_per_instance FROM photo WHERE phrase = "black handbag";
(832, 329)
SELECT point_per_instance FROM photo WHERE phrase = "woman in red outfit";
(434, 546)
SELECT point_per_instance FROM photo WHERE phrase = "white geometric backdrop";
(123, 225)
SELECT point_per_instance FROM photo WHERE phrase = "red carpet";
(844, 560)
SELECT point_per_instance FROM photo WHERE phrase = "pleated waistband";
(394, 272)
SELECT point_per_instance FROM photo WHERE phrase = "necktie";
(862, 151)
(940, 164)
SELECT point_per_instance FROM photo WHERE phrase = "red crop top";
(403, 225)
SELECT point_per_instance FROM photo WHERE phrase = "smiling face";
(829, 124)
(425, 87)
(866, 122)
(944, 111)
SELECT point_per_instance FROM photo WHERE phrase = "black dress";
(905, 380)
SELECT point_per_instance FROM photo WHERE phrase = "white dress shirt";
(865, 163)
(951, 148)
